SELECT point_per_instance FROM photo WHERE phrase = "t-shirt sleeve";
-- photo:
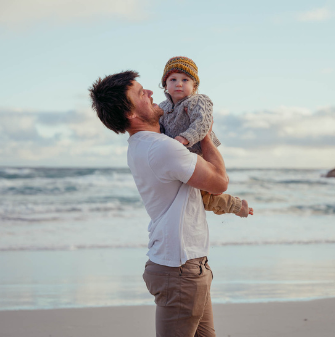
(169, 160)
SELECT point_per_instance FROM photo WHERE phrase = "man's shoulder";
(161, 155)
(145, 145)
(162, 142)
(164, 147)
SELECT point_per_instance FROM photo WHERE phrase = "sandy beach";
(292, 319)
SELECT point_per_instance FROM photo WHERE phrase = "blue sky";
(269, 68)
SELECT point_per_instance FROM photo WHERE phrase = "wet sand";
(278, 319)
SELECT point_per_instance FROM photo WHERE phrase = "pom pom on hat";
(181, 64)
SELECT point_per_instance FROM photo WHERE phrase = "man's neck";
(151, 128)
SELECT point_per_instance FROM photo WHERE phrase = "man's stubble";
(153, 119)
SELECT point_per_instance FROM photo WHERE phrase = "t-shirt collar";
(138, 135)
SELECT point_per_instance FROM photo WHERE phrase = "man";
(169, 179)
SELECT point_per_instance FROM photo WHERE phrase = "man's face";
(145, 108)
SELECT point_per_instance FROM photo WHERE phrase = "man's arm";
(210, 172)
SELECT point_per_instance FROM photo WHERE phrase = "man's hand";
(208, 135)
(182, 140)
(245, 210)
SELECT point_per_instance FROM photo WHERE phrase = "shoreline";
(152, 304)
(272, 319)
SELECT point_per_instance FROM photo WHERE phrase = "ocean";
(76, 237)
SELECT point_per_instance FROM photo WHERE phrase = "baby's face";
(179, 86)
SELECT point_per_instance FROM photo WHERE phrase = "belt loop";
(180, 270)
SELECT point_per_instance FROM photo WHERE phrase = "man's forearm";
(212, 155)
(210, 172)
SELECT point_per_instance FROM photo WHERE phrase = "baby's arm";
(200, 111)
(225, 203)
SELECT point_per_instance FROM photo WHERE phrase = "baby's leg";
(221, 204)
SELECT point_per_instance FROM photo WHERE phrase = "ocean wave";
(28, 220)
(313, 209)
(37, 190)
(295, 210)
(57, 173)
(33, 212)
(116, 206)
(144, 245)
(71, 247)
(107, 190)
(90, 185)
(302, 181)
(317, 181)
(78, 192)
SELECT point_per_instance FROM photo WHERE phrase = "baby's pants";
(221, 204)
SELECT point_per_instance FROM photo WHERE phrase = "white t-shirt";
(161, 167)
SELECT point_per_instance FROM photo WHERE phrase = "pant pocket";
(157, 285)
(209, 268)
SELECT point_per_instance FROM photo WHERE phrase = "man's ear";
(131, 115)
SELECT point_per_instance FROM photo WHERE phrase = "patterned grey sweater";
(190, 118)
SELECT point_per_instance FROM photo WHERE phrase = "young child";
(188, 118)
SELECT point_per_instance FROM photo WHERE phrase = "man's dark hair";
(110, 100)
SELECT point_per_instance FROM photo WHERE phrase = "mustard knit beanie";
(181, 64)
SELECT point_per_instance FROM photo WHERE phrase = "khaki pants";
(182, 296)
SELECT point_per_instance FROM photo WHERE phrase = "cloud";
(59, 138)
(282, 126)
(279, 156)
(282, 137)
(22, 13)
(327, 70)
(317, 14)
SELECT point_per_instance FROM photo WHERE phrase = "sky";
(269, 68)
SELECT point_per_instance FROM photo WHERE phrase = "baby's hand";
(182, 140)
(245, 210)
